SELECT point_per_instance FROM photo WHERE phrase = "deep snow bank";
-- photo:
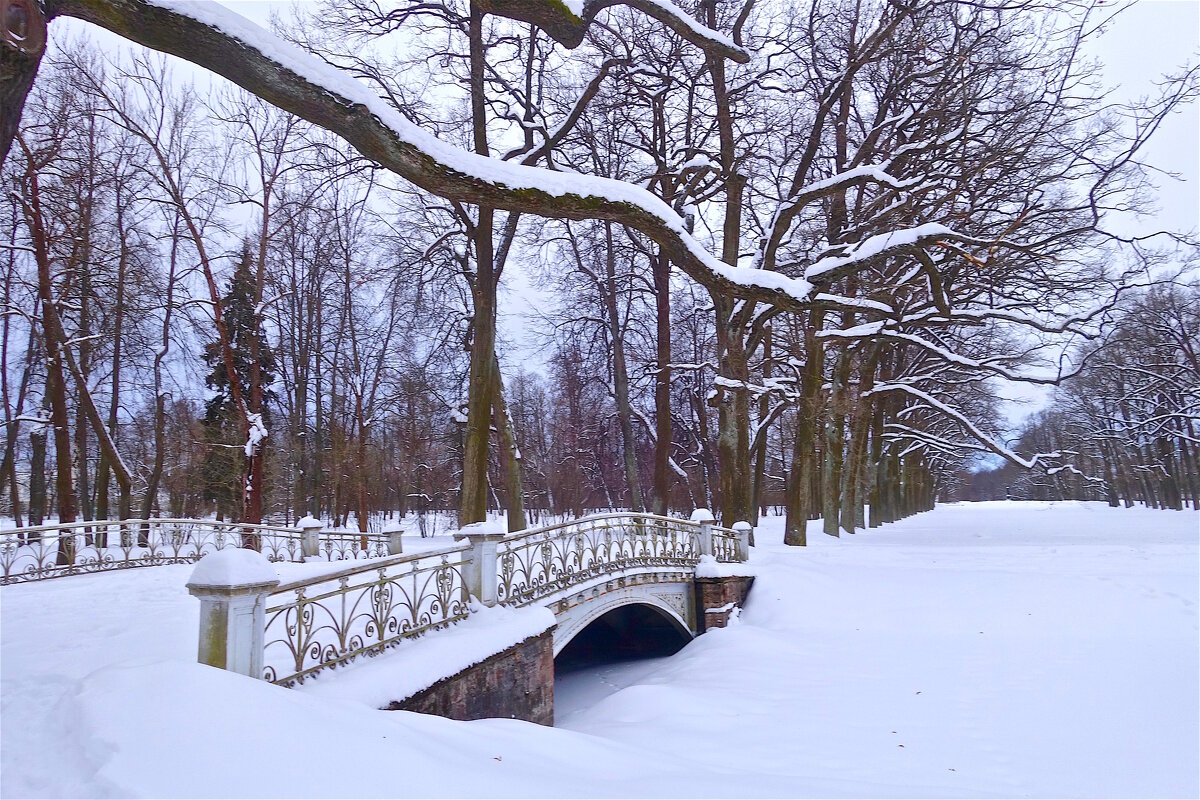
(987, 650)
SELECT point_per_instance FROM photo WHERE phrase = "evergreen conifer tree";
(223, 470)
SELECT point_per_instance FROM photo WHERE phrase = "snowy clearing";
(996, 649)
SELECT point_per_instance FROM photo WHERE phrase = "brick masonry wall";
(718, 593)
(517, 683)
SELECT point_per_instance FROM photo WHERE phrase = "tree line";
(784, 256)
(1128, 421)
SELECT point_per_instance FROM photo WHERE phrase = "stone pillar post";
(395, 543)
(233, 585)
(480, 571)
(706, 520)
(310, 537)
(743, 530)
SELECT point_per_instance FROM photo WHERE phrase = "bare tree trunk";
(59, 418)
(483, 341)
(160, 416)
(104, 471)
(733, 414)
(509, 455)
(808, 413)
(620, 374)
(761, 436)
(55, 385)
(700, 409)
(83, 272)
(37, 476)
(13, 412)
(361, 464)
(835, 420)
(877, 465)
(320, 426)
(859, 427)
(733, 420)
(662, 385)
(300, 502)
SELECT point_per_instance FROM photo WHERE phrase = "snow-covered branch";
(218, 39)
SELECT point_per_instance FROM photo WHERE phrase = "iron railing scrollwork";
(351, 546)
(334, 619)
(77, 548)
(724, 545)
(542, 562)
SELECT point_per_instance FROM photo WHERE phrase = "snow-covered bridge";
(358, 595)
(684, 571)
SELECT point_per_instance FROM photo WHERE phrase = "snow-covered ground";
(1002, 649)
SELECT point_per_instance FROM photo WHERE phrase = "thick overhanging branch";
(22, 43)
(220, 40)
(561, 23)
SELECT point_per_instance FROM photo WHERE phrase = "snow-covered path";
(979, 650)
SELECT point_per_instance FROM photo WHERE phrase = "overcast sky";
(1146, 41)
(1142, 44)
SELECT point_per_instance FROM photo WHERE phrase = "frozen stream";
(578, 691)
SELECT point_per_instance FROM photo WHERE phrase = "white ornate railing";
(538, 563)
(328, 620)
(351, 546)
(724, 544)
(52, 551)
(335, 618)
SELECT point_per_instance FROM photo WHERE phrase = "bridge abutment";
(517, 683)
(717, 599)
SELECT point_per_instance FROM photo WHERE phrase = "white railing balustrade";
(350, 546)
(542, 562)
(52, 551)
(724, 545)
(335, 618)
(302, 627)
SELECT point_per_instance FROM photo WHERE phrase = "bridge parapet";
(333, 619)
(543, 562)
(87, 546)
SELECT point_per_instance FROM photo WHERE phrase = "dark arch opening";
(627, 633)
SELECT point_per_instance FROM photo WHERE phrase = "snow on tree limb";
(988, 442)
(567, 22)
(218, 39)
(880, 245)
(881, 330)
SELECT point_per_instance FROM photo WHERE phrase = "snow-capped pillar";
(706, 520)
(233, 586)
(479, 572)
(743, 530)
(395, 543)
(310, 536)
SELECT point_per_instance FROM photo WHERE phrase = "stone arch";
(591, 611)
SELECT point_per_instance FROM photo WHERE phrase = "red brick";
(516, 684)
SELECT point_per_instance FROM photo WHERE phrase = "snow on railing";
(539, 563)
(76, 548)
(333, 619)
(294, 630)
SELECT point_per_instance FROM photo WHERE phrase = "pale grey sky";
(1150, 39)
